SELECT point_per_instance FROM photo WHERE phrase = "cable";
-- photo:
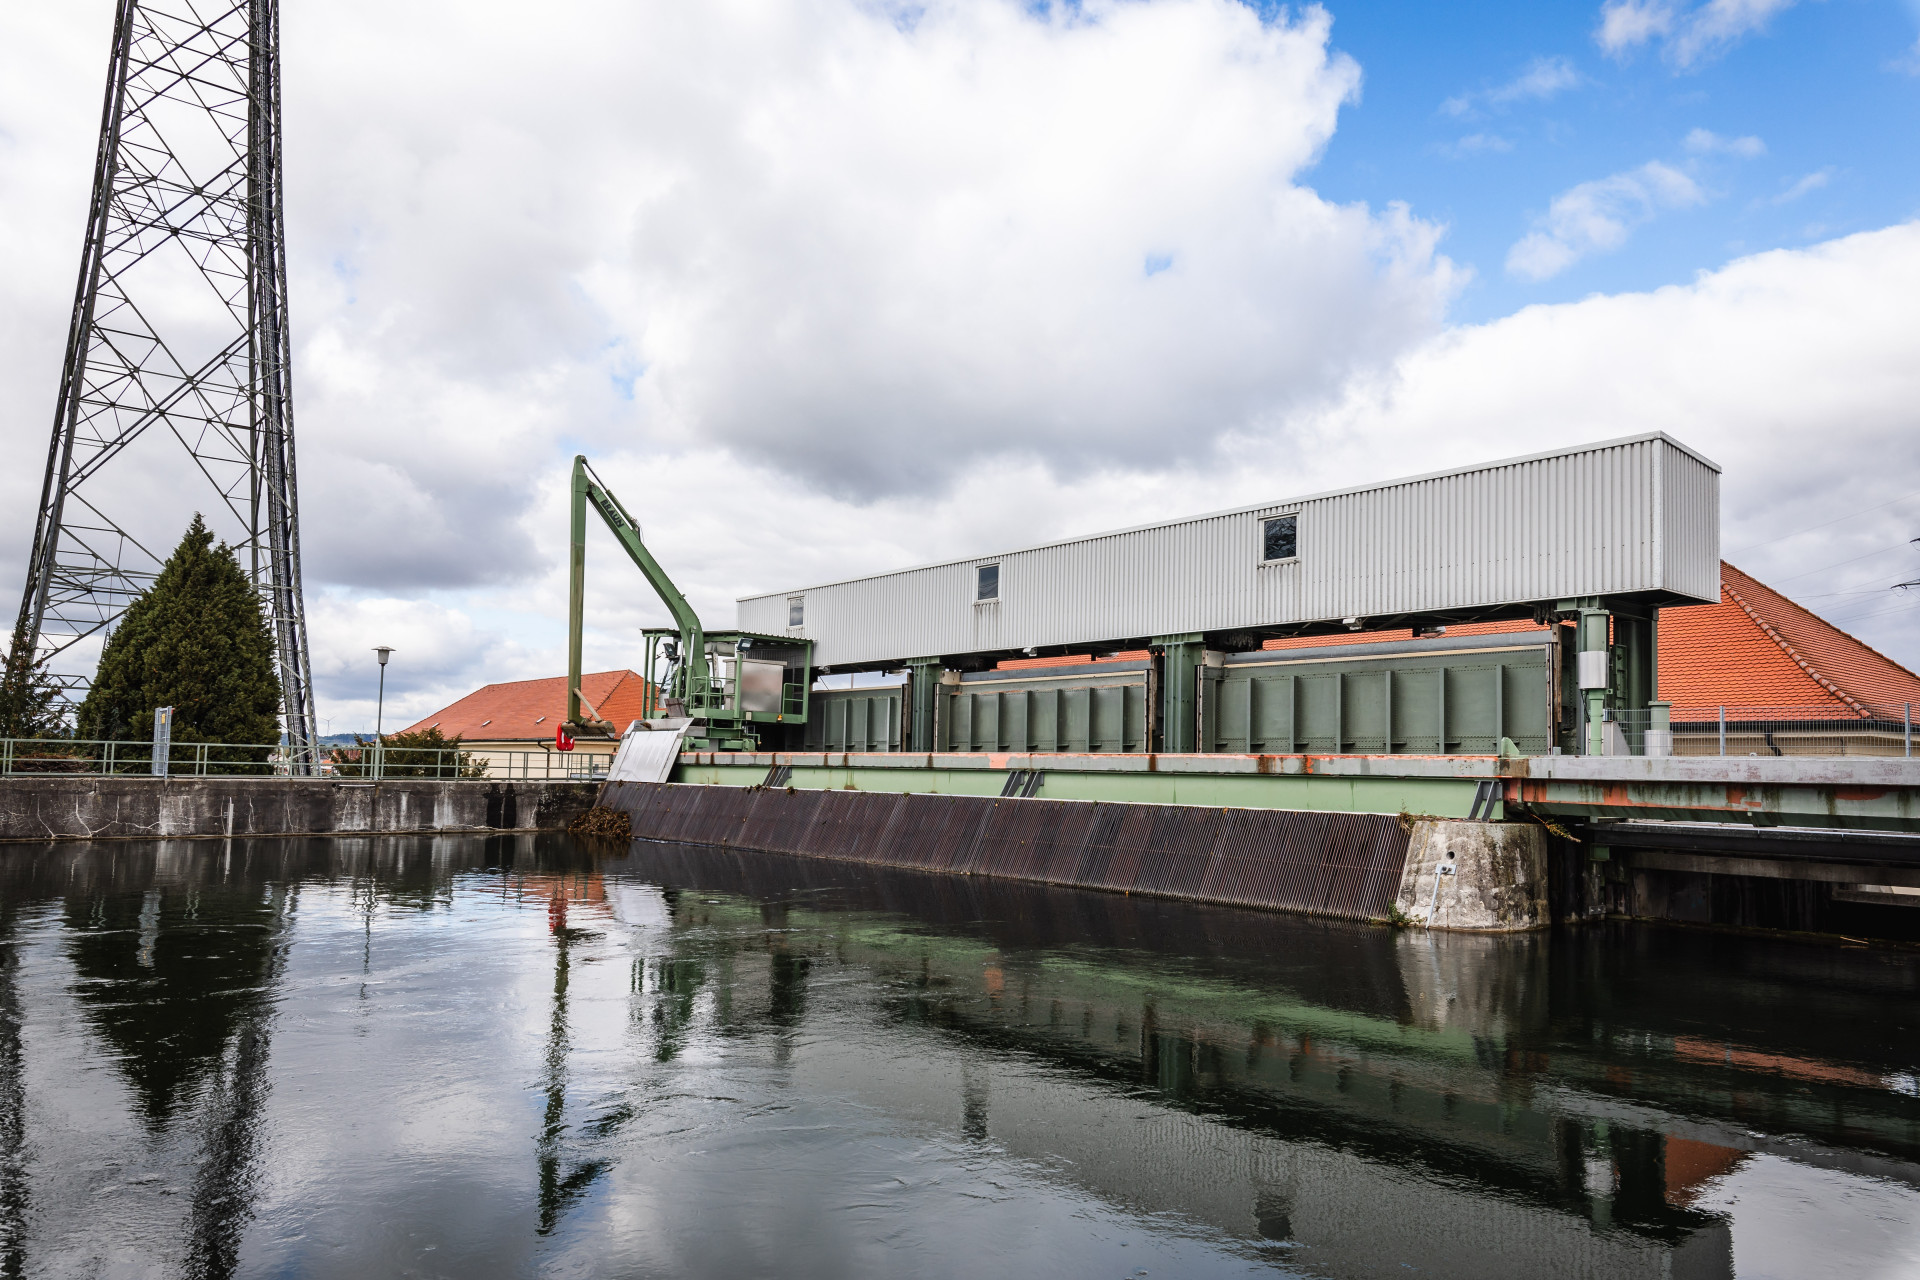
(1837, 564)
(1823, 524)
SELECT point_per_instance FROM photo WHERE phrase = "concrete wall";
(92, 808)
(1484, 876)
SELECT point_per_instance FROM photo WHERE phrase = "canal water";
(518, 1056)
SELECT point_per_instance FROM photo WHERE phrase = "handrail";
(106, 757)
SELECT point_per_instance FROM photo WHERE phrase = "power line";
(1824, 523)
(1839, 563)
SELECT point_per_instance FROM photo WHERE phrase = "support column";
(923, 704)
(1595, 673)
(1180, 657)
(1488, 877)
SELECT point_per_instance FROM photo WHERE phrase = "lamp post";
(379, 713)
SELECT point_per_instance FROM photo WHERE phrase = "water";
(507, 1056)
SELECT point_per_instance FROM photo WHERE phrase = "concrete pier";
(108, 808)
(1489, 877)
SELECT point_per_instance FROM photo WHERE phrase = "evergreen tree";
(196, 641)
(29, 698)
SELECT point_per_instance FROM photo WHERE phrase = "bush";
(408, 755)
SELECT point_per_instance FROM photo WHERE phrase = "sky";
(826, 287)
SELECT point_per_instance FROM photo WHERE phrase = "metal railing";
(42, 757)
(1732, 730)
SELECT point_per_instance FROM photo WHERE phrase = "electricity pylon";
(178, 357)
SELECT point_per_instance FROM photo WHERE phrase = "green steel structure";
(732, 685)
(1447, 697)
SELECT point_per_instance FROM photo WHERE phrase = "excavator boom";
(588, 491)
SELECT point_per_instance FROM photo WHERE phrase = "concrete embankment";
(1352, 866)
(105, 808)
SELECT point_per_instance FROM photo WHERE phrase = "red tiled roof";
(529, 709)
(1756, 648)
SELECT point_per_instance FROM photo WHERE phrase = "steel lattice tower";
(178, 339)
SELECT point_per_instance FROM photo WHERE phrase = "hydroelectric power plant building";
(1596, 538)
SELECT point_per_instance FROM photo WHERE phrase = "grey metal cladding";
(1637, 516)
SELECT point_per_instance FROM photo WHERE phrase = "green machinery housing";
(1532, 691)
(735, 687)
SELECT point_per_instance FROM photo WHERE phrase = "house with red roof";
(512, 725)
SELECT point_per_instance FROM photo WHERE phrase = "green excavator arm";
(690, 681)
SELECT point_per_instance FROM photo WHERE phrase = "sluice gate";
(1345, 865)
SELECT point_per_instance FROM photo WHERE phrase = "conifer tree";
(196, 641)
(29, 698)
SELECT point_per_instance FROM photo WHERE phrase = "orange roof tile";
(1376, 637)
(1071, 660)
(531, 709)
(1756, 648)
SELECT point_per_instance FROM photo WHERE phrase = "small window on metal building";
(1279, 538)
(988, 585)
(796, 611)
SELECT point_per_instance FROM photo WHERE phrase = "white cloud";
(1704, 142)
(866, 249)
(1597, 216)
(1812, 182)
(823, 295)
(1541, 79)
(1475, 144)
(1687, 38)
(1793, 369)
(1627, 24)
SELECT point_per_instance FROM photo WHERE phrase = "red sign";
(561, 741)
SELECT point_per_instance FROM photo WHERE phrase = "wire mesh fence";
(366, 761)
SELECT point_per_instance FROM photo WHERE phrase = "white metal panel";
(1622, 517)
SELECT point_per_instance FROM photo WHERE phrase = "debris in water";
(601, 821)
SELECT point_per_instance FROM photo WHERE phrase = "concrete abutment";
(115, 808)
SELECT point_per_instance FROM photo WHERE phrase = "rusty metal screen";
(1344, 865)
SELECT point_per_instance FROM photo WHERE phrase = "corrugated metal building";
(1635, 521)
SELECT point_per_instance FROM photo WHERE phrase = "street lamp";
(380, 711)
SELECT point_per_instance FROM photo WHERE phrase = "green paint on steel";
(1435, 797)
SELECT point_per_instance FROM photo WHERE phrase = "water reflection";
(508, 1056)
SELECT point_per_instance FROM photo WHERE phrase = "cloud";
(1541, 79)
(1704, 142)
(1475, 144)
(1812, 182)
(1598, 216)
(1627, 24)
(1688, 37)
(1793, 369)
(870, 250)
(826, 293)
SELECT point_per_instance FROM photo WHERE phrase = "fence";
(1730, 730)
(99, 757)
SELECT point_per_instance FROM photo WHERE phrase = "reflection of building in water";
(1479, 1104)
